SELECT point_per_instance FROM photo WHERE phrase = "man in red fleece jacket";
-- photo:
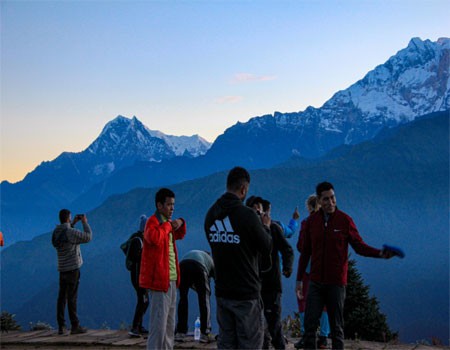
(326, 236)
(160, 271)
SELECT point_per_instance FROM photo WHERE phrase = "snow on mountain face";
(193, 145)
(127, 138)
(411, 83)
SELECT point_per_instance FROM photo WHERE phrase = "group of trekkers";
(246, 245)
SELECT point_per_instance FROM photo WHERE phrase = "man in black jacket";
(271, 282)
(238, 239)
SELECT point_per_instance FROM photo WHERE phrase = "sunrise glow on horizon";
(184, 68)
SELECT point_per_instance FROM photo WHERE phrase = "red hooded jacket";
(326, 244)
(155, 272)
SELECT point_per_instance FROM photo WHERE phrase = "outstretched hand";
(389, 251)
(387, 254)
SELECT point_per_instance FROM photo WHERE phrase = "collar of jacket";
(161, 218)
(330, 216)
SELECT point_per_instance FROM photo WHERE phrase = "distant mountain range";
(127, 154)
(58, 183)
(268, 140)
(395, 187)
(413, 82)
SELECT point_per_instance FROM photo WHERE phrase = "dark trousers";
(142, 298)
(241, 323)
(68, 293)
(272, 314)
(194, 276)
(333, 297)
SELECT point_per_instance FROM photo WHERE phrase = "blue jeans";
(333, 297)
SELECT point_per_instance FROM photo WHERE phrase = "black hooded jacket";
(271, 280)
(238, 240)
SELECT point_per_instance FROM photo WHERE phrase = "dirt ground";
(117, 340)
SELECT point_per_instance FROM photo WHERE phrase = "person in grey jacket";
(66, 239)
(197, 268)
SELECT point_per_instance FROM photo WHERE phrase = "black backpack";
(59, 241)
(126, 249)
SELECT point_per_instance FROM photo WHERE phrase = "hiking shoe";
(134, 333)
(143, 331)
(179, 337)
(206, 338)
(300, 344)
(78, 330)
(62, 330)
(322, 343)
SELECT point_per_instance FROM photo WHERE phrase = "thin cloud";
(248, 77)
(228, 99)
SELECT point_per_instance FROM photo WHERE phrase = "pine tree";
(363, 319)
(8, 323)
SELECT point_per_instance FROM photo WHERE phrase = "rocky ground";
(117, 340)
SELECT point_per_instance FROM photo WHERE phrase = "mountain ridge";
(385, 96)
(414, 80)
(57, 183)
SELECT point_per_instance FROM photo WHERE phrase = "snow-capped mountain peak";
(413, 82)
(124, 135)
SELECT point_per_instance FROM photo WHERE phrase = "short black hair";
(64, 214)
(323, 186)
(252, 200)
(162, 194)
(265, 204)
(237, 177)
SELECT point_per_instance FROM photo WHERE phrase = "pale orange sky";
(67, 68)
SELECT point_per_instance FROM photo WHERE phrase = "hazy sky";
(183, 67)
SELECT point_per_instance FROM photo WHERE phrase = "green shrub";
(291, 325)
(8, 323)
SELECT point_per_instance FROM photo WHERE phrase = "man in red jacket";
(326, 236)
(160, 272)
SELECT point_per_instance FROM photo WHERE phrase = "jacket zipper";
(323, 250)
